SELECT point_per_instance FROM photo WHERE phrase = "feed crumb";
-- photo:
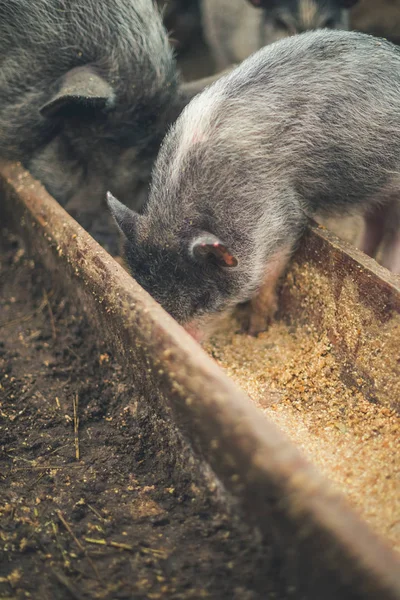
(295, 379)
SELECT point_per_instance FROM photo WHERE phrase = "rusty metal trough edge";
(331, 550)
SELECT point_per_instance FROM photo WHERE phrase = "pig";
(234, 29)
(87, 91)
(182, 19)
(307, 126)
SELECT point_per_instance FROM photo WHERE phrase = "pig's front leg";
(373, 231)
(383, 224)
(264, 305)
(391, 246)
(391, 255)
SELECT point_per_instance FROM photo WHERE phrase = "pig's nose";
(194, 331)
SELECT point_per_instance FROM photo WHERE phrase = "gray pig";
(307, 126)
(234, 29)
(87, 90)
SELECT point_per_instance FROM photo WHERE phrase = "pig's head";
(102, 137)
(290, 17)
(190, 272)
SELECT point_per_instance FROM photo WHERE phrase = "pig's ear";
(348, 3)
(208, 247)
(125, 218)
(82, 91)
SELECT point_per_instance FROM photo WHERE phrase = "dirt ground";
(90, 503)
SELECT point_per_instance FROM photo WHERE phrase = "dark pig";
(307, 126)
(87, 90)
(234, 29)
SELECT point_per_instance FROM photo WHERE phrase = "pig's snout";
(194, 330)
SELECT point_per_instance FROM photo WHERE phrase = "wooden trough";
(328, 551)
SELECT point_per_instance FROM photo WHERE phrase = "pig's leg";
(192, 88)
(88, 202)
(83, 214)
(391, 256)
(391, 247)
(374, 230)
(264, 306)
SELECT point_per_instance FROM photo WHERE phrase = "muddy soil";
(91, 505)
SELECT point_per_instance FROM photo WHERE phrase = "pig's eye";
(281, 24)
(329, 24)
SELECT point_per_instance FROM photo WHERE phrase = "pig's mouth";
(201, 328)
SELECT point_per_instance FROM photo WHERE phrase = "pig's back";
(324, 109)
